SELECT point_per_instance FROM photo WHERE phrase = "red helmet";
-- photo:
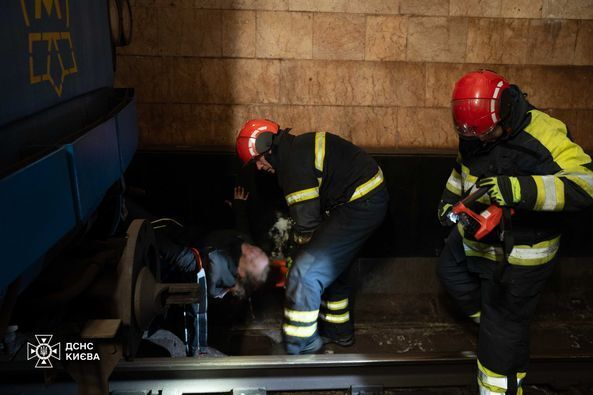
(476, 102)
(255, 138)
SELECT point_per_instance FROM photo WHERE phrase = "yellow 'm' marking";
(52, 39)
(45, 9)
(25, 13)
(49, 5)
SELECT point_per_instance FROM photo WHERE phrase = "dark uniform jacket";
(554, 174)
(220, 251)
(318, 171)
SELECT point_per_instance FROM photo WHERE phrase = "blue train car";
(67, 135)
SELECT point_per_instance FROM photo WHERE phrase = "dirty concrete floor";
(399, 307)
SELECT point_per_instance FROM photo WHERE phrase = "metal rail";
(311, 372)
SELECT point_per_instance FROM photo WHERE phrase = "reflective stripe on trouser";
(494, 383)
(335, 318)
(300, 324)
(324, 259)
(335, 321)
(506, 309)
(507, 312)
(523, 255)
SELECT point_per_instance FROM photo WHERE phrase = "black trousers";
(320, 269)
(506, 308)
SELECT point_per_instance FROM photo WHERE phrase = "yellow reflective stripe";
(521, 255)
(301, 196)
(335, 305)
(336, 318)
(474, 248)
(537, 254)
(487, 389)
(492, 381)
(550, 193)
(559, 189)
(489, 372)
(552, 134)
(539, 200)
(319, 150)
(301, 316)
(299, 331)
(476, 315)
(368, 186)
(495, 382)
(583, 179)
(454, 183)
(444, 209)
(468, 181)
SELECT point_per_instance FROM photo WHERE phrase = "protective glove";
(503, 190)
(443, 213)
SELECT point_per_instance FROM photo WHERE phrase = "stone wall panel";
(378, 72)
(568, 9)
(238, 33)
(476, 8)
(436, 39)
(485, 41)
(424, 7)
(386, 38)
(339, 36)
(285, 35)
(426, 128)
(552, 41)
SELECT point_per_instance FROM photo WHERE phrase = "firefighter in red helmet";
(528, 162)
(337, 197)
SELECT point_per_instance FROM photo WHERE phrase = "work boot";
(343, 341)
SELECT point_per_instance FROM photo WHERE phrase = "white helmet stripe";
(251, 142)
(493, 101)
(497, 90)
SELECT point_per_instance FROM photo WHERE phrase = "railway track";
(356, 373)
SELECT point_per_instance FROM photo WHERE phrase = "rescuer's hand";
(443, 213)
(503, 190)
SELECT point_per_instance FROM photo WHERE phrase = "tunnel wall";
(378, 72)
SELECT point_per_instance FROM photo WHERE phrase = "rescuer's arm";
(302, 196)
(451, 194)
(569, 189)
